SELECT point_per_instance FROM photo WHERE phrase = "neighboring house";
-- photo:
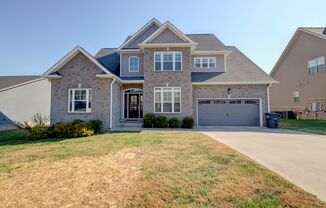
(301, 72)
(163, 71)
(21, 97)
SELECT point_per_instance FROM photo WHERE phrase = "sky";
(35, 34)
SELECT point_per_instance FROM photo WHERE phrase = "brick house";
(163, 71)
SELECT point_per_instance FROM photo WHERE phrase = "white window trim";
(173, 89)
(201, 62)
(315, 63)
(137, 63)
(88, 110)
(173, 60)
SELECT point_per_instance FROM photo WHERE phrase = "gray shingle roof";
(8, 81)
(207, 42)
(109, 59)
(317, 30)
(239, 68)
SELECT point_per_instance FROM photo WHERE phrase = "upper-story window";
(205, 62)
(168, 61)
(133, 64)
(316, 65)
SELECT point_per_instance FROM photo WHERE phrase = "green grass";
(179, 169)
(311, 126)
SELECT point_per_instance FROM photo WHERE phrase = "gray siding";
(249, 91)
(80, 70)
(141, 37)
(125, 65)
(220, 64)
(172, 79)
(167, 36)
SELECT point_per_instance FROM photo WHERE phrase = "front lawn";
(311, 126)
(147, 169)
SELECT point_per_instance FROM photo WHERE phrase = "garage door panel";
(228, 113)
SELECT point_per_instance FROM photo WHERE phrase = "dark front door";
(134, 105)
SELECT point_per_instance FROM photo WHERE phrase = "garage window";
(167, 100)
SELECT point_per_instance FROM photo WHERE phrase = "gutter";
(268, 99)
(114, 79)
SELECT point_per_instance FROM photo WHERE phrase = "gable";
(167, 36)
(70, 56)
(142, 36)
(79, 65)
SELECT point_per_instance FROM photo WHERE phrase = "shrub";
(38, 132)
(149, 120)
(72, 129)
(38, 128)
(77, 121)
(188, 122)
(96, 125)
(174, 123)
(161, 122)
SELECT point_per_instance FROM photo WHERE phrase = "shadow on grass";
(17, 137)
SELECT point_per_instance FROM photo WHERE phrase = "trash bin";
(272, 120)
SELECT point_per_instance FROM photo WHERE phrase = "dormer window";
(133, 64)
(205, 62)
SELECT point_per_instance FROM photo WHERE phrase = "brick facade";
(80, 70)
(168, 79)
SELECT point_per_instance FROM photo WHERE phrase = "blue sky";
(35, 34)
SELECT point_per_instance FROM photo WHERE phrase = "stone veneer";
(168, 79)
(80, 70)
(219, 91)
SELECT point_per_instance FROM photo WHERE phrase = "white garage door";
(228, 112)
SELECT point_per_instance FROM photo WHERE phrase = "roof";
(315, 31)
(72, 54)
(109, 59)
(9, 81)
(207, 42)
(239, 69)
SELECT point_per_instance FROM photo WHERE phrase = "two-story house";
(301, 72)
(163, 71)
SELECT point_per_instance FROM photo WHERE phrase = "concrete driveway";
(298, 157)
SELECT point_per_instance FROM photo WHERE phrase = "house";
(163, 71)
(301, 72)
(21, 97)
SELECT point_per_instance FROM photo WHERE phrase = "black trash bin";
(272, 120)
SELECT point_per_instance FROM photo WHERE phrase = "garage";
(228, 112)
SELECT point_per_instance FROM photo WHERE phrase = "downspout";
(268, 98)
(111, 90)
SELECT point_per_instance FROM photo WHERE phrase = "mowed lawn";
(311, 126)
(147, 169)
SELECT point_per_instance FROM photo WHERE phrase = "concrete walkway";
(298, 157)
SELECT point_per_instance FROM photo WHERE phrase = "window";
(296, 96)
(167, 100)
(133, 64)
(316, 65)
(205, 62)
(167, 61)
(79, 100)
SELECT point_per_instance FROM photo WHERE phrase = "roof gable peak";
(140, 31)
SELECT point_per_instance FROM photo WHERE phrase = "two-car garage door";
(228, 112)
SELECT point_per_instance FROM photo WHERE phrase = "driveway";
(298, 157)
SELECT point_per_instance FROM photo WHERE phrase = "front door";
(134, 105)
